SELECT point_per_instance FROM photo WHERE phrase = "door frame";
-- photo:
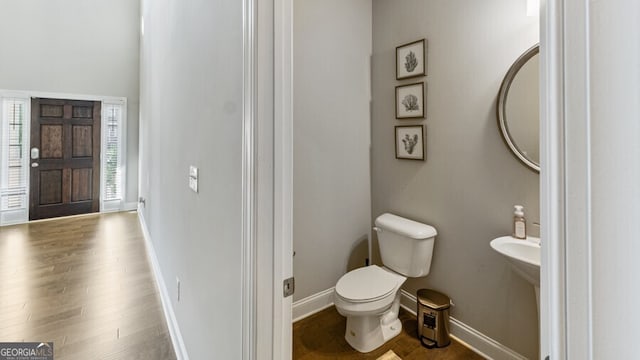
(552, 179)
(22, 215)
(283, 189)
(267, 179)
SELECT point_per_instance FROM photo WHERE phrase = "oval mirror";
(519, 109)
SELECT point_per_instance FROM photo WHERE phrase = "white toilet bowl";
(369, 298)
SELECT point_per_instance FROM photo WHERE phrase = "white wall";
(470, 181)
(614, 106)
(331, 191)
(84, 47)
(592, 187)
(191, 114)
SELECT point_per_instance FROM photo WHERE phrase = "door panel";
(80, 112)
(81, 184)
(51, 144)
(52, 110)
(65, 178)
(82, 141)
(50, 187)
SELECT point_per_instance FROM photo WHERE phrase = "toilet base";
(367, 333)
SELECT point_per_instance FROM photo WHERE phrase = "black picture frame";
(410, 101)
(411, 60)
(410, 142)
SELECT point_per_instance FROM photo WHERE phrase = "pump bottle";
(519, 223)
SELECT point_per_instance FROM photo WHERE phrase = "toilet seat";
(367, 284)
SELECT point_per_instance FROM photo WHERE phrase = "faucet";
(539, 237)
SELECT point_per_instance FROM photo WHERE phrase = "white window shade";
(112, 147)
(13, 142)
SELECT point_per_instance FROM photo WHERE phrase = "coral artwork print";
(411, 62)
(410, 103)
(411, 59)
(410, 142)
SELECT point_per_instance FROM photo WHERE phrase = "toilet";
(369, 297)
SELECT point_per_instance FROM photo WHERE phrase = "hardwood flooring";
(85, 284)
(321, 336)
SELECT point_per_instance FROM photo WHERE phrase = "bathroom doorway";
(379, 133)
(564, 45)
(347, 170)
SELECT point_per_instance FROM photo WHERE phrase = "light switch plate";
(193, 178)
(193, 184)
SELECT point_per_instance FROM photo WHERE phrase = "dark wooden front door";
(65, 158)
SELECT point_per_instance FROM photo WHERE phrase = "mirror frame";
(502, 98)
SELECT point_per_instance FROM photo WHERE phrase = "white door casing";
(273, 70)
(590, 196)
(283, 189)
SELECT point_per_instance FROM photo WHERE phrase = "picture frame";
(410, 101)
(411, 60)
(410, 142)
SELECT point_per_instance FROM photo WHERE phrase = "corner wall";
(191, 114)
(470, 181)
(83, 47)
(331, 124)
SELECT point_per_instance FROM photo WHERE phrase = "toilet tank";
(406, 246)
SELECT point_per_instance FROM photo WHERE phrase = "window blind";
(113, 155)
(14, 154)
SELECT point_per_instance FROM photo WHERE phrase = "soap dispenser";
(519, 223)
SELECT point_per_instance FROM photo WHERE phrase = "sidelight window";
(112, 157)
(13, 142)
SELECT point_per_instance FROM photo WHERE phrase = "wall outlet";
(178, 288)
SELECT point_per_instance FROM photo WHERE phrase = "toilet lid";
(367, 283)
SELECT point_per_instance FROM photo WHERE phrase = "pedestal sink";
(524, 257)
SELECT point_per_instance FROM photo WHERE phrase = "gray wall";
(83, 47)
(331, 191)
(191, 114)
(470, 181)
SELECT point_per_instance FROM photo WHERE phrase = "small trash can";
(433, 318)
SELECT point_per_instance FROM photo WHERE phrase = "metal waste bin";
(433, 318)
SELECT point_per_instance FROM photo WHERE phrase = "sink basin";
(524, 256)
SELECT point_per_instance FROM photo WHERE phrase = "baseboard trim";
(172, 323)
(468, 336)
(312, 304)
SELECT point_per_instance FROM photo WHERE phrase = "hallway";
(85, 284)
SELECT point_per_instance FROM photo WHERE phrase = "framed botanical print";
(411, 60)
(410, 142)
(410, 101)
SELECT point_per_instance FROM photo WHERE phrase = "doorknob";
(35, 165)
(35, 153)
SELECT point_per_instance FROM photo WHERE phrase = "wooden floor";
(321, 336)
(85, 284)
